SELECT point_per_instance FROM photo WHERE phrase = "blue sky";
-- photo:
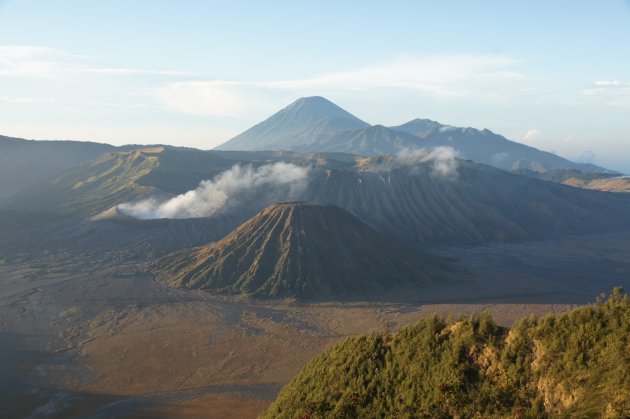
(554, 75)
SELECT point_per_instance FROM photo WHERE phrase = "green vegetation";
(575, 364)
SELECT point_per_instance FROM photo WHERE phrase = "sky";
(553, 75)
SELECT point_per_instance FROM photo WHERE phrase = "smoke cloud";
(443, 160)
(271, 182)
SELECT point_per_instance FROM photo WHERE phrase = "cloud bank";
(50, 63)
(267, 183)
(443, 76)
(443, 160)
(609, 92)
(607, 83)
(532, 134)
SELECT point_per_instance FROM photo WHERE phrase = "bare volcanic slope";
(26, 162)
(608, 182)
(303, 250)
(118, 177)
(299, 123)
(600, 183)
(484, 146)
(400, 198)
(408, 202)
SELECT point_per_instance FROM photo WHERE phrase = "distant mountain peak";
(312, 99)
(316, 107)
(419, 127)
(423, 120)
(296, 125)
(315, 124)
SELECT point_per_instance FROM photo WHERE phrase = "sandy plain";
(89, 336)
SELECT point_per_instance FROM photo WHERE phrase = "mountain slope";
(418, 127)
(594, 180)
(24, 163)
(317, 125)
(609, 184)
(93, 186)
(408, 202)
(375, 140)
(299, 249)
(297, 124)
(119, 177)
(484, 146)
(399, 197)
(575, 364)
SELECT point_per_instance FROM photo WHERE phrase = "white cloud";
(607, 83)
(434, 74)
(26, 100)
(609, 93)
(442, 76)
(219, 98)
(532, 134)
(268, 183)
(26, 61)
(587, 156)
(443, 160)
(134, 71)
(120, 105)
(42, 62)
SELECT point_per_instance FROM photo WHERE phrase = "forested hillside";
(576, 364)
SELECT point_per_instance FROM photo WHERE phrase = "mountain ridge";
(27, 162)
(485, 146)
(400, 198)
(373, 140)
(315, 124)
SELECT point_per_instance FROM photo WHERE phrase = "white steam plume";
(271, 182)
(442, 159)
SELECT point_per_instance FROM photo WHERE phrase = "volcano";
(298, 124)
(296, 249)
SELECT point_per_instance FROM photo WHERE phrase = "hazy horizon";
(552, 76)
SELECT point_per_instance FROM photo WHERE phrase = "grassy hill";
(575, 364)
